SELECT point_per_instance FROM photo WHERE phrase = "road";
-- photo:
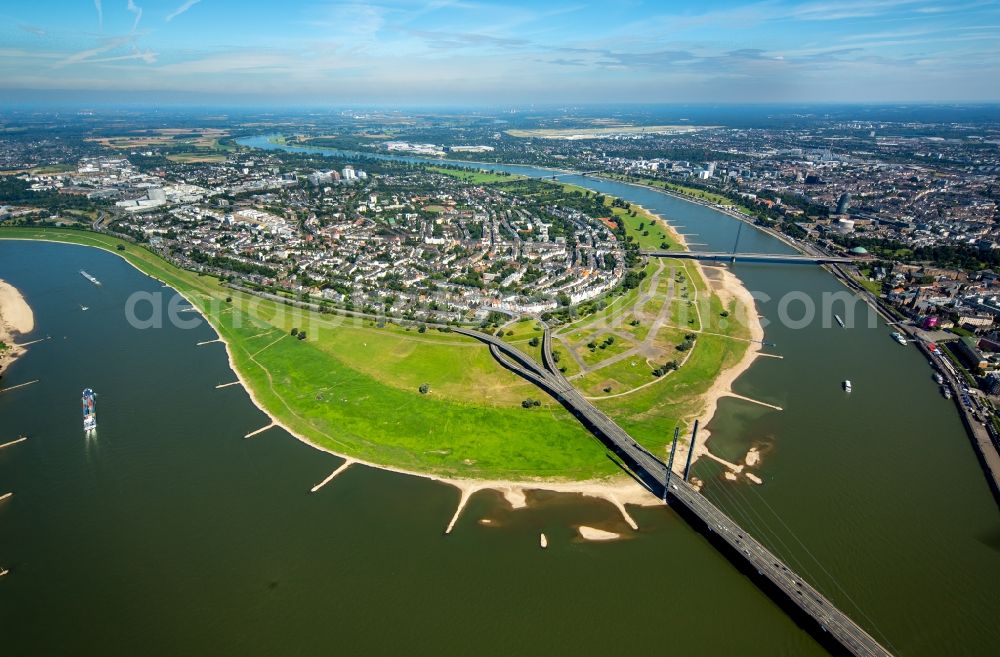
(654, 474)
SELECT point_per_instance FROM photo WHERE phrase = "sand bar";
(594, 534)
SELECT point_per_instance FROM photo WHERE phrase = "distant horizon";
(106, 104)
(456, 53)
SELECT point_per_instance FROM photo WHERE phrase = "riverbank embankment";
(16, 319)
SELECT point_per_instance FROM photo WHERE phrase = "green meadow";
(356, 389)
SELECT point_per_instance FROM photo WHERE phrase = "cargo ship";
(89, 277)
(839, 321)
(89, 410)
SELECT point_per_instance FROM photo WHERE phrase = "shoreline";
(618, 490)
(723, 384)
(729, 288)
(16, 320)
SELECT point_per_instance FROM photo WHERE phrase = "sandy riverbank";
(16, 319)
(618, 490)
(729, 288)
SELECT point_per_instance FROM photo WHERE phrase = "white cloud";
(180, 10)
(132, 7)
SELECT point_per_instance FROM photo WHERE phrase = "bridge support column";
(739, 231)
(694, 438)
(670, 463)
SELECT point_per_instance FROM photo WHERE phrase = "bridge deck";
(752, 257)
(654, 473)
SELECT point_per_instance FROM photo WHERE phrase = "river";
(169, 533)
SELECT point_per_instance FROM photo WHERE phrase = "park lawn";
(674, 187)
(650, 310)
(666, 342)
(683, 313)
(349, 412)
(640, 330)
(875, 287)
(617, 306)
(650, 414)
(307, 385)
(452, 365)
(598, 355)
(520, 335)
(476, 176)
(646, 229)
(622, 376)
(524, 330)
(579, 337)
(566, 363)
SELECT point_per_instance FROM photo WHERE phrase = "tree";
(425, 388)
(533, 342)
(295, 331)
(302, 335)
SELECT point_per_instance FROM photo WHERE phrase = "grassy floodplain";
(683, 190)
(353, 388)
(674, 299)
(475, 176)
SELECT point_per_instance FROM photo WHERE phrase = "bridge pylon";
(739, 231)
(670, 463)
(694, 437)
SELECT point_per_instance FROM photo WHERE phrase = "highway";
(653, 472)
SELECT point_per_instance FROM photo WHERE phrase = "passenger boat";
(847, 385)
(89, 410)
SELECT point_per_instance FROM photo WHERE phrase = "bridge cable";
(764, 530)
(742, 505)
(828, 574)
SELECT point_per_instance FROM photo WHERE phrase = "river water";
(169, 533)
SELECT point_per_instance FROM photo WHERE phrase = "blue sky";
(513, 52)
